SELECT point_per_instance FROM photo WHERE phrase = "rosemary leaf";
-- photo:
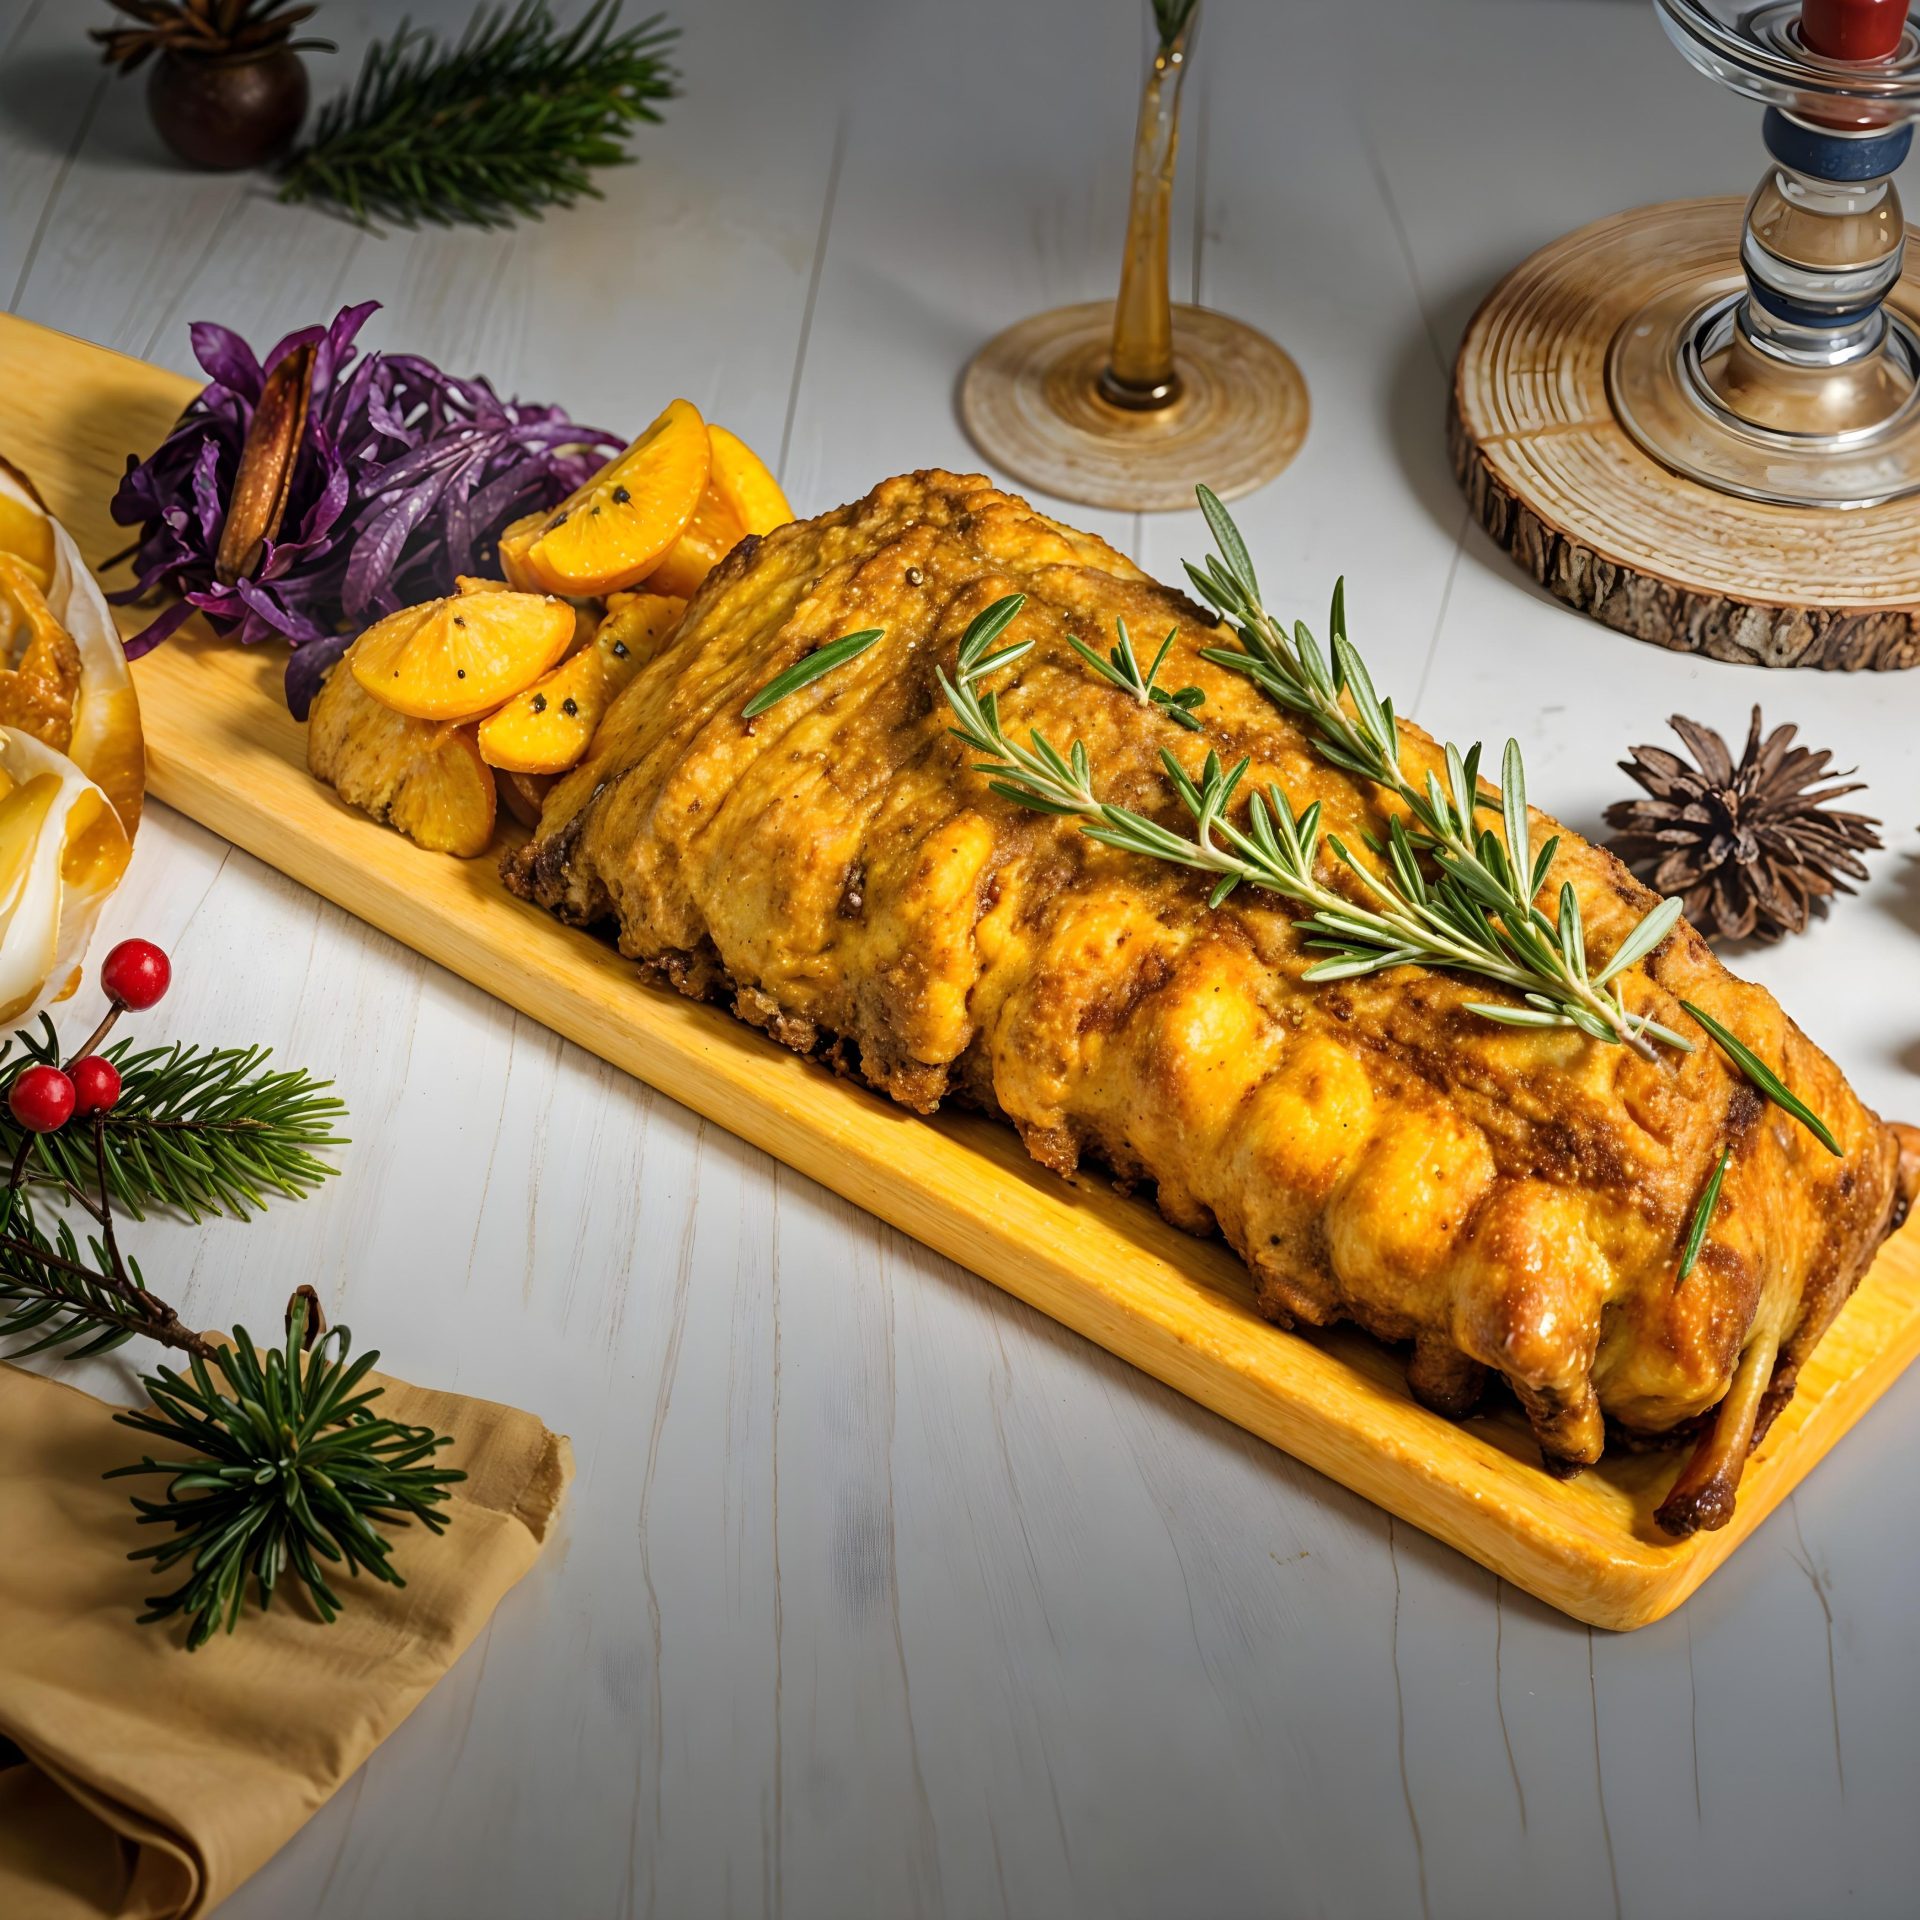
(1702, 1215)
(1121, 668)
(803, 673)
(1764, 1077)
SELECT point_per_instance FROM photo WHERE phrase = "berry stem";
(92, 1042)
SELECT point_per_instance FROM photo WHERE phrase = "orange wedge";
(548, 727)
(612, 532)
(428, 781)
(711, 535)
(456, 658)
(746, 489)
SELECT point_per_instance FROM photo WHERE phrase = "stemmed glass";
(1129, 403)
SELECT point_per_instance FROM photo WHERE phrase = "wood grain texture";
(1557, 481)
(223, 750)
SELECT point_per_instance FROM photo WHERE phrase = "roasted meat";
(1507, 1201)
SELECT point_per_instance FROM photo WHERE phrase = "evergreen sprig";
(509, 120)
(56, 1294)
(204, 1130)
(285, 1470)
(280, 1468)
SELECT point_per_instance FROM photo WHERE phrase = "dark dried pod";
(1756, 851)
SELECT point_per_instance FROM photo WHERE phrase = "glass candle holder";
(1785, 377)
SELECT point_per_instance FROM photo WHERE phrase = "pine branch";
(282, 1468)
(203, 1130)
(287, 1469)
(511, 119)
(57, 1295)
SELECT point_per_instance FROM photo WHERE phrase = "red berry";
(42, 1099)
(96, 1085)
(136, 974)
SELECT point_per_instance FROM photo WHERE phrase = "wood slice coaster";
(1555, 479)
(1030, 403)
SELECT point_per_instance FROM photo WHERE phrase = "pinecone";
(1753, 850)
(215, 28)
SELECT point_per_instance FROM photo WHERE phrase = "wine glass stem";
(1140, 372)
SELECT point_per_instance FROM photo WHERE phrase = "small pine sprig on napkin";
(509, 120)
(281, 1468)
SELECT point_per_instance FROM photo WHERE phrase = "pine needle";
(511, 119)
(201, 1130)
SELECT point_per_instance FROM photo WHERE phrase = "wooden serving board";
(223, 750)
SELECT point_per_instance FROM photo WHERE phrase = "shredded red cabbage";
(406, 477)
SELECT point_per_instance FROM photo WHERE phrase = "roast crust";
(1512, 1202)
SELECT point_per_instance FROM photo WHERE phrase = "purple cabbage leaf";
(404, 478)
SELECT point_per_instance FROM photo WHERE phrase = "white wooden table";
(878, 1594)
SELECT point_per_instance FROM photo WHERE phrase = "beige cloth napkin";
(148, 1782)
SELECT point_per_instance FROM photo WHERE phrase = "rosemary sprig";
(1464, 918)
(511, 119)
(1764, 1078)
(280, 1466)
(1122, 667)
(804, 672)
(1354, 728)
(1702, 1217)
(205, 1130)
(1036, 777)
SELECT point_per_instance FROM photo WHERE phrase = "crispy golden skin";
(1504, 1199)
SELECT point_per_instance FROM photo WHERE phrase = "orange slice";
(427, 780)
(62, 851)
(746, 489)
(548, 727)
(639, 625)
(456, 658)
(612, 532)
(711, 535)
(66, 682)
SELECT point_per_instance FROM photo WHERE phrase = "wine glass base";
(1838, 440)
(1031, 402)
